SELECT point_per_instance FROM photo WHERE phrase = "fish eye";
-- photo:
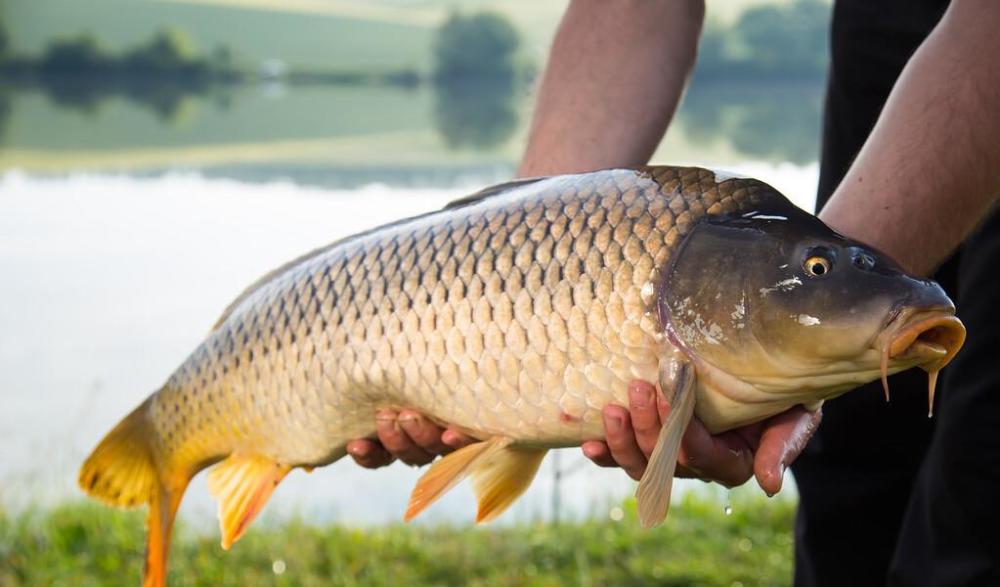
(818, 262)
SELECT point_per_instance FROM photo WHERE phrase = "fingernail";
(356, 450)
(407, 418)
(385, 416)
(614, 423)
(640, 397)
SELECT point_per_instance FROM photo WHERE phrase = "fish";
(516, 314)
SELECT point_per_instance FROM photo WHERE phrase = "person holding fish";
(910, 165)
(527, 315)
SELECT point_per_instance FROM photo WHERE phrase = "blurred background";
(158, 155)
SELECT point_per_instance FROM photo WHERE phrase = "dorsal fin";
(493, 190)
(461, 202)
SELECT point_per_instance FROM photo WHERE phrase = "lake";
(127, 224)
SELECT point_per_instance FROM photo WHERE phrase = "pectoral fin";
(243, 484)
(653, 493)
(500, 472)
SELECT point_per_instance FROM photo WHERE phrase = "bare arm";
(616, 72)
(930, 171)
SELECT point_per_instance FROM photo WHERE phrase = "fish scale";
(519, 314)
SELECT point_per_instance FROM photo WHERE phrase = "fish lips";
(929, 338)
(925, 337)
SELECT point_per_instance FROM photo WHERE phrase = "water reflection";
(476, 114)
(4, 114)
(166, 100)
(149, 127)
(771, 122)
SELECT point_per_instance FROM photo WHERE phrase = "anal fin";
(242, 484)
(653, 494)
(447, 472)
(502, 478)
(500, 472)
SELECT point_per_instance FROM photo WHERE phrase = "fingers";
(408, 436)
(598, 451)
(731, 458)
(622, 441)
(632, 436)
(642, 400)
(455, 439)
(725, 458)
(783, 438)
(369, 453)
(398, 441)
(424, 433)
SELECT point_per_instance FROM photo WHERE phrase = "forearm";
(930, 171)
(615, 74)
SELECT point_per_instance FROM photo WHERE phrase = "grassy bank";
(84, 544)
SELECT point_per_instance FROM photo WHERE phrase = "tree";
(169, 50)
(75, 54)
(477, 46)
(4, 41)
(789, 39)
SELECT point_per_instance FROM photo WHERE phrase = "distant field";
(83, 544)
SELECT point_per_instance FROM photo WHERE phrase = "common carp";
(516, 314)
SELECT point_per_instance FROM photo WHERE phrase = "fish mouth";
(925, 338)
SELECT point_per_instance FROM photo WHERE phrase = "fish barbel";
(516, 314)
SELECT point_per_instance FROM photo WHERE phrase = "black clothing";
(875, 468)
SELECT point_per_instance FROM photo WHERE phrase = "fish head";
(776, 308)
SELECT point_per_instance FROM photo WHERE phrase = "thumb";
(784, 436)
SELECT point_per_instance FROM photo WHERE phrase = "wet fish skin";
(521, 314)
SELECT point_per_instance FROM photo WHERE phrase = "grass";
(86, 544)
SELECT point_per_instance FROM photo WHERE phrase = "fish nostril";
(863, 260)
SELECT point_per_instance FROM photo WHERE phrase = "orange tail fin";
(124, 471)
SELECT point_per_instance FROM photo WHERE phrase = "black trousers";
(888, 496)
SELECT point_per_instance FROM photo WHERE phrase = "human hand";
(763, 450)
(408, 436)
